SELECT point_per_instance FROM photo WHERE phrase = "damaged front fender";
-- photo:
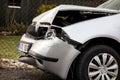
(55, 49)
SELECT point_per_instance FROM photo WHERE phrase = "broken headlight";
(37, 33)
(50, 34)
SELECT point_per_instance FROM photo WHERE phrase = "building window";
(14, 3)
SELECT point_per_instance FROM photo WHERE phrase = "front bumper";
(35, 60)
(55, 56)
(38, 56)
(31, 61)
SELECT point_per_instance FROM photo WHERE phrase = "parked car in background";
(74, 42)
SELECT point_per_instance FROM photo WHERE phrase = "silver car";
(74, 42)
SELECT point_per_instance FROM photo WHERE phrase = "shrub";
(13, 29)
(17, 28)
(2, 28)
(44, 8)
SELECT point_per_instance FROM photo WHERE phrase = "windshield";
(111, 4)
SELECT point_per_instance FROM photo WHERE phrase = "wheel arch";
(100, 41)
(95, 41)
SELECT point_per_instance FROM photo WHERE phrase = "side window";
(14, 3)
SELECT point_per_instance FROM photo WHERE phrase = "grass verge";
(8, 46)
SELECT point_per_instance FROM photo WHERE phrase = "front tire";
(99, 62)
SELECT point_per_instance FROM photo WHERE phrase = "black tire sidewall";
(83, 61)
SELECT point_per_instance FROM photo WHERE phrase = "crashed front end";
(47, 46)
(47, 50)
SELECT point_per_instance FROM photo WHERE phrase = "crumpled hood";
(50, 15)
(47, 16)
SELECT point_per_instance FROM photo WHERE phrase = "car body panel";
(27, 39)
(100, 27)
(54, 48)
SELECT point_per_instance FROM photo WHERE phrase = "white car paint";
(101, 27)
(55, 48)
(50, 15)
